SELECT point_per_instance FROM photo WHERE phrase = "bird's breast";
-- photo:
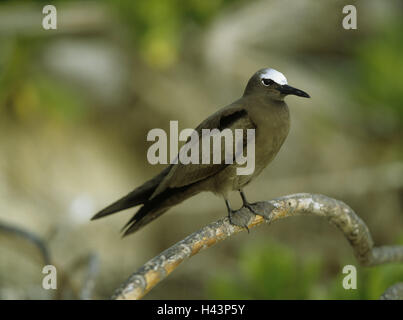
(272, 126)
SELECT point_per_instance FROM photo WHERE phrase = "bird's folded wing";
(232, 117)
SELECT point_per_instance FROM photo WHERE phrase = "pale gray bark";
(394, 292)
(335, 211)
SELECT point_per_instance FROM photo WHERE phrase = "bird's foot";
(241, 217)
(263, 209)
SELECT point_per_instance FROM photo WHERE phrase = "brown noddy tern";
(261, 108)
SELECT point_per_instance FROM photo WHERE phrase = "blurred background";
(76, 104)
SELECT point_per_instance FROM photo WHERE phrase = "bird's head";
(272, 83)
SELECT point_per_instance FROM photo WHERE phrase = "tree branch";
(335, 211)
(30, 237)
(394, 292)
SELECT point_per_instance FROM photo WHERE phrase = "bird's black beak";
(286, 89)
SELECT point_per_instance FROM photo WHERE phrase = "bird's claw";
(241, 218)
(261, 209)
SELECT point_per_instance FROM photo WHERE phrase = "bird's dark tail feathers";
(138, 196)
(156, 206)
(152, 208)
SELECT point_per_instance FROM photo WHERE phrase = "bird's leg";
(256, 207)
(240, 217)
(246, 203)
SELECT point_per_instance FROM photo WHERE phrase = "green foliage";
(59, 100)
(380, 68)
(371, 281)
(158, 27)
(270, 271)
(30, 94)
(273, 271)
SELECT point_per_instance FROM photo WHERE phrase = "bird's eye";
(267, 82)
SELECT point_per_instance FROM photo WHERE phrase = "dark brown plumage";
(261, 108)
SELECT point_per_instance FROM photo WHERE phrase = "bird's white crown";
(274, 75)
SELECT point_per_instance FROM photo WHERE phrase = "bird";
(262, 108)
